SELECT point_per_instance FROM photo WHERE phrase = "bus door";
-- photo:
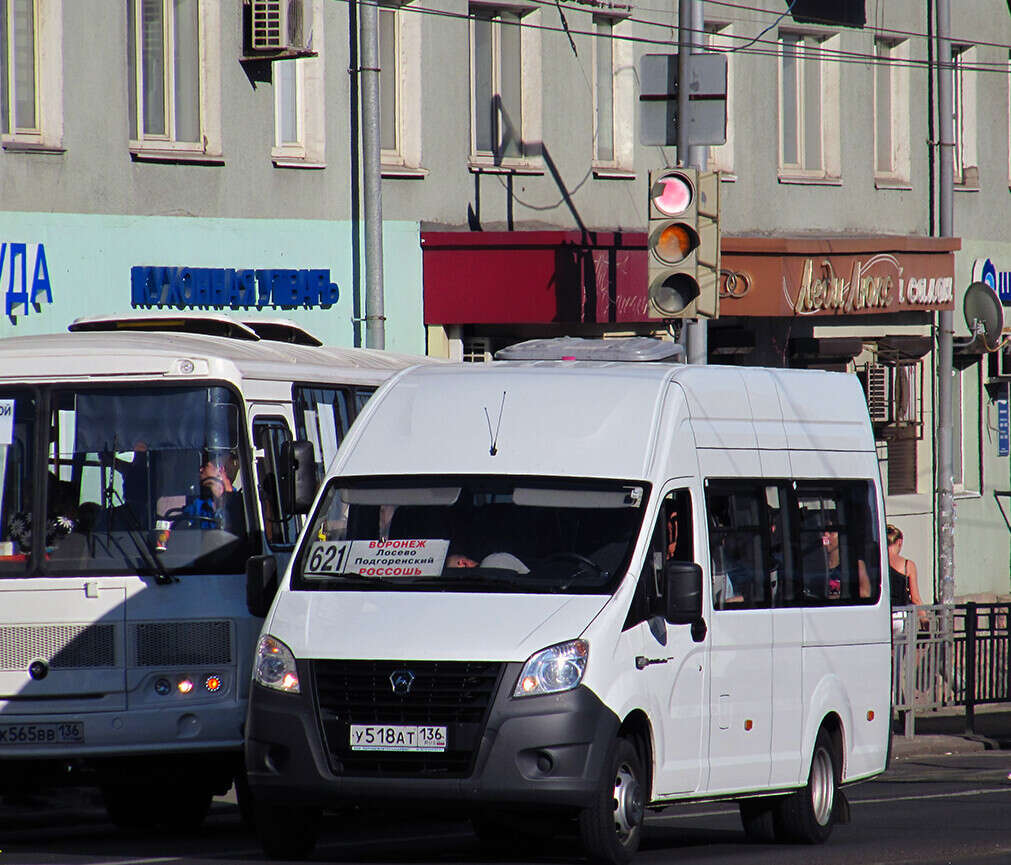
(670, 659)
(741, 697)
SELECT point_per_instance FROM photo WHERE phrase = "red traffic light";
(672, 193)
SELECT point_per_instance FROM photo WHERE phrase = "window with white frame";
(505, 82)
(613, 96)
(809, 133)
(299, 103)
(603, 90)
(31, 74)
(399, 89)
(174, 77)
(964, 109)
(891, 112)
(719, 37)
(966, 429)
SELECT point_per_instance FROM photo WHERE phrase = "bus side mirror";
(683, 593)
(296, 476)
(261, 584)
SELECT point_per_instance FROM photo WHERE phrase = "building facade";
(154, 157)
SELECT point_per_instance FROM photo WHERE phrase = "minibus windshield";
(472, 533)
(136, 480)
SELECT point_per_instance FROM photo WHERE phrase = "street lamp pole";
(945, 318)
(368, 37)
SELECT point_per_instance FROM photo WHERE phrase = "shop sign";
(1000, 281)
(221, 287)
(24, 276)
(875, 284)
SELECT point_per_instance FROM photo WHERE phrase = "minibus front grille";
(452, 694)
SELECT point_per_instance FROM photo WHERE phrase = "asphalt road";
(937, 810)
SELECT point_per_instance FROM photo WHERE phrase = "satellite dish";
(984, 314)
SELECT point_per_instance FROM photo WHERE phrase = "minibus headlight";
(274, 666)
(557, 668)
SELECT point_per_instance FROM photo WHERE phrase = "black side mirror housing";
(261, 584)
(683, 595)
(296, 476)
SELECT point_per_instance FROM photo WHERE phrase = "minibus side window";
(739, 542)
(671, 541)
(837, 544)
(322, 417)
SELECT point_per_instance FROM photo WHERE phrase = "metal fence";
(950, 656)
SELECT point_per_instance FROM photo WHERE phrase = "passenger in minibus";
(833, 560)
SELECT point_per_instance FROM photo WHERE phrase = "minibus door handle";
(642, 662)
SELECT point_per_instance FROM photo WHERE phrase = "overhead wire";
(752, 45)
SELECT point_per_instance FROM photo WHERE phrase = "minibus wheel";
(286, 831)
(807, 816)
(611, 827)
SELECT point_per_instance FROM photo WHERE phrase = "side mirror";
(261, 584)
(683, 593)
(296, 476)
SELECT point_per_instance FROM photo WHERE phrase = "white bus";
(143, 459)
(550, 591)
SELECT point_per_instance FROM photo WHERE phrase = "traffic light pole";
(691, 24)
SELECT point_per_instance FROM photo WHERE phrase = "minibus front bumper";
(545, 750)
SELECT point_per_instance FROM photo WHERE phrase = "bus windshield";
(139, 480)
(473, 533)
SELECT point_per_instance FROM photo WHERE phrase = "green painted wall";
(89, 257)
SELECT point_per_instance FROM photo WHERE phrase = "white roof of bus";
(150, 353)
(580, 418)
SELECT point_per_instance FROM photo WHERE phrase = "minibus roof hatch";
(635, 349)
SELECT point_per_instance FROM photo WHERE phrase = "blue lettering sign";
(1003, 437)
(214, 287)
(16, 261)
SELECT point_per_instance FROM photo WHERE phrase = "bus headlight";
(557, 668)
(274, 666)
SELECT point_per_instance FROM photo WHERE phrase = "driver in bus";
(219, 504)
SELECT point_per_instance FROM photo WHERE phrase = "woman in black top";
(902, 575)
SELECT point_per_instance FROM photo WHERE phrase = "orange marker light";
(748, 724)
(212, 683)
(870, 714)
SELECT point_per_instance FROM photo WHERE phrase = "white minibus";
(143, 459)
(565, 587)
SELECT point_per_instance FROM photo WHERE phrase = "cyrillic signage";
(24, 277)
(232, 288)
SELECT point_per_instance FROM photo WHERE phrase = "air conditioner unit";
(277, 25)
(879, 393)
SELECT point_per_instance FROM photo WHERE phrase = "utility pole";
(368, 38)
(691, 24)
(945, 318)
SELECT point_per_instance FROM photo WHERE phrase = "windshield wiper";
(143, 544)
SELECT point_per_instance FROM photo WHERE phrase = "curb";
(936, 745)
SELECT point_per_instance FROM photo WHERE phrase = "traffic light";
(684, 243)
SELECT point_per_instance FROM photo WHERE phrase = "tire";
(758, 819)
(808, 815)
(286, 831)
(142, 806)
(611, 827)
